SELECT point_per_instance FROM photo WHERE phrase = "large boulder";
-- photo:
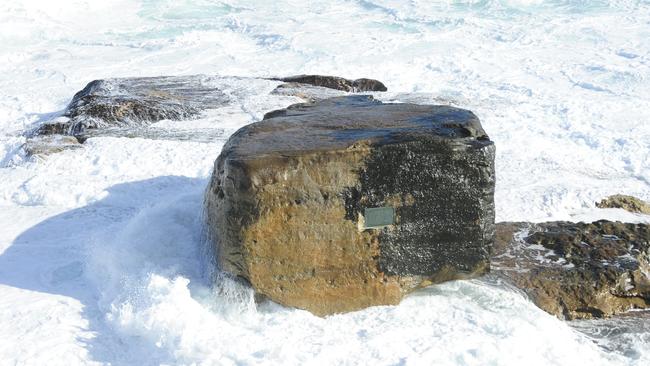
(346, 203)
(577, 270)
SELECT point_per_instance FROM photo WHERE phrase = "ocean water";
(102, 260)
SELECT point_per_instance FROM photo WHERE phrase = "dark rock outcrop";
(627, 203)
(126, 107)
(338, 83)
(577, 270)
(141, 101)
(136, 101)
(347, 203)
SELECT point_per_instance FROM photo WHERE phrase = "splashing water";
(102, 259)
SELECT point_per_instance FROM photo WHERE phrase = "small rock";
(577, 270)
(363, 85)
(338, 83)
(627, 203)
(347, 203)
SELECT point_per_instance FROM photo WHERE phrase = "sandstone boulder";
(346, 203)
(627, 203)
(577, 270)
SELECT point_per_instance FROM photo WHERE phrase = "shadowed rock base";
(577, 270)
(346, 203)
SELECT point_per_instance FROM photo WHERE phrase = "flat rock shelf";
(347, 202)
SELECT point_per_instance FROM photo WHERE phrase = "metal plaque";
(378, 217)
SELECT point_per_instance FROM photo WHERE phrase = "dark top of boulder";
(338, 123)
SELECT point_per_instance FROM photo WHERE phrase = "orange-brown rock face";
(347, 203)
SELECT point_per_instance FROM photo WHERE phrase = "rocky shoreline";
(127, 107)
(571, 270)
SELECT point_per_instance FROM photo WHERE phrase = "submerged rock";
(577, 270)
(627, 203)
(347, 203)
(42, 146)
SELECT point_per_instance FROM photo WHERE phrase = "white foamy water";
(101, 253)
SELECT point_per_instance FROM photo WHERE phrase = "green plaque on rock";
(378, 217)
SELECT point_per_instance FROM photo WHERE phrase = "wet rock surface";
(137, 101)
(127, 107)
(308, 93)
(346, 203)
(337, 83)
(627, 203)
(577, 270)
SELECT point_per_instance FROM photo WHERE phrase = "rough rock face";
(577, 270)
(347, 203)
(338, 83)
(627, 203)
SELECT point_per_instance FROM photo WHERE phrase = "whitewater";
(102, 253)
